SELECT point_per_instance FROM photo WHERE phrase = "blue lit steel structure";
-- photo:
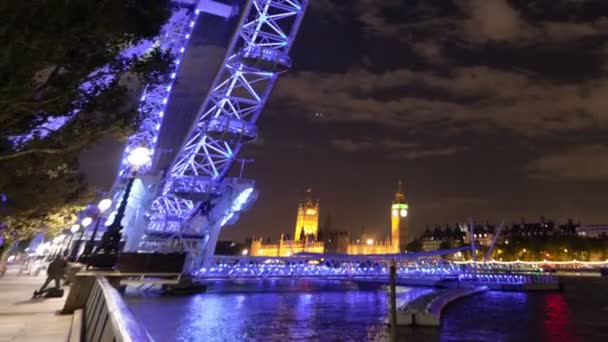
(189, 204)
(424, 268)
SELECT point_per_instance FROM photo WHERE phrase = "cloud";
(438, 152)
(471, 98)
(350, 145)
(584, 163)
(395, 149)
(429, 50)
(479, 22)
(492, 20)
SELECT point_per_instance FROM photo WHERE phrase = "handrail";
(124, 327)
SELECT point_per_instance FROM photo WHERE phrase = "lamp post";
(73, 230)
(103, 205)
(84, 223)
(137, 158)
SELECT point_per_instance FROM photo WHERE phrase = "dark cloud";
(585, 163)
(395, 149)
(516, 101)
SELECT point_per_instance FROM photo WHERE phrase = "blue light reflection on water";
(325, 311)
(286, 311)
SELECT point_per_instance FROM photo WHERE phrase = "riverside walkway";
(25, 319)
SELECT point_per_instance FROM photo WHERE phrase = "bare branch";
(36, 150)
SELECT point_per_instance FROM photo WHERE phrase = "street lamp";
(86, 221)
(102, 206)
(136, 158)
(139, 157)
(73, 230)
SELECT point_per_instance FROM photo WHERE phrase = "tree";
(414, 246)
(63, 61)
(65, 83)
(16, 228)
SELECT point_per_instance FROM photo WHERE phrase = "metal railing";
(107, 318)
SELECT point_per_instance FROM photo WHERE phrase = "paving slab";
(25, 319)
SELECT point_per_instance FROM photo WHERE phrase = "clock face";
(395, 212)
(403, 213)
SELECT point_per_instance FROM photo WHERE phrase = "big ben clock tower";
(399, 217)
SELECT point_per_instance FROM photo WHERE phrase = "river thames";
(310, 310)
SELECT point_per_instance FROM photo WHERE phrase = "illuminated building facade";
(307, 221)
(285, 248)
(307, 239)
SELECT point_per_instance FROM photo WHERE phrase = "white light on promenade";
(370, 242)
(86, 221)
(75, 228)
(104, 204)
(245, 252)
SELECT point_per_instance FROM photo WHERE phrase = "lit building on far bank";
(307, 233)
(307, 221)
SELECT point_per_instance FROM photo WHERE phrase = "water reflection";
(322, 311)
(334, 311)
(558, 325)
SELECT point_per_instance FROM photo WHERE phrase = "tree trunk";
(4, 250)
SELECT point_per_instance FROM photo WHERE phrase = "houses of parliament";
(307, 237)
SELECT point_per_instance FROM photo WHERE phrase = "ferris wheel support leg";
(146, 191)
(209, 251)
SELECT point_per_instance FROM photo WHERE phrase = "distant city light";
(245, 252)
(370, 241)
(565, 250)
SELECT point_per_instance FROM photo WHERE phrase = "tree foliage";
(50, 50)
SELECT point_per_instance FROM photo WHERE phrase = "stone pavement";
(25, 319)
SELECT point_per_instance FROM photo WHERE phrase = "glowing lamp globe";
(75, 228)
(86, 221)
(104, 204)
(139, 157)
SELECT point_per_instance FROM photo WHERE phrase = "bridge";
(424, 269)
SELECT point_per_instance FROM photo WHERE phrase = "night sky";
(494, 109)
